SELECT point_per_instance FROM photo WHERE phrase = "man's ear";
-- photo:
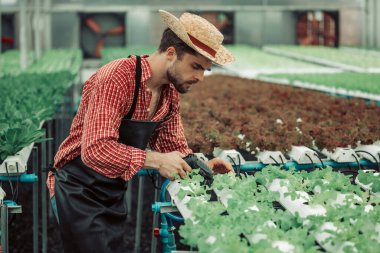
(171, 52)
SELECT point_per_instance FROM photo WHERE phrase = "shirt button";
(148, 110)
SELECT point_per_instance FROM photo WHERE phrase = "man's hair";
(170, 39)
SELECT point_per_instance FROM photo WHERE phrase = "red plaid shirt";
(106, 98)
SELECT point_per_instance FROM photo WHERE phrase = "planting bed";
(358, 61)
(349, 81)
(230, 112)
(316, 211)
(250, 62)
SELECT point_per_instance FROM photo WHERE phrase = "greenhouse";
(168, 126)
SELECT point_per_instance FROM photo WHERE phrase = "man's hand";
(168, 164)
(219, 166)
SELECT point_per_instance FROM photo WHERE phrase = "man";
(126, 105)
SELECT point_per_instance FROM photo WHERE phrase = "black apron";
(91, 207)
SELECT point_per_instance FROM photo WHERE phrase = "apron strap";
(138, 73)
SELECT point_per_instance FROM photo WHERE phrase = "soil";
(271, 117)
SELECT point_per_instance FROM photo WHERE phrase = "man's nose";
(200, 76)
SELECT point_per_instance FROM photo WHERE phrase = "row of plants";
(362, 50)
(251, 221)
(56, 60)
(10, 62)
(53, 60)
(30, 98)
(364, 82)
(251, 61)
(252, 115)
(369, 180)
(248, 57)
(113, 53)
(360, 59)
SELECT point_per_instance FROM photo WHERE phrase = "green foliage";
(113, 53)
(249, 223)
(57, 60)
(365, 82)
(354, 58)
(327, 179)
(369, 178)
(14, 139)
(193, 186)
(10, 62)
(30, 97)
(248, 57)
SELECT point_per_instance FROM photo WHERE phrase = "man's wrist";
(153, 160)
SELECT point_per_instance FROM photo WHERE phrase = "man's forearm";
(153, 160)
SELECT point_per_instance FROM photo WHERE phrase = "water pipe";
(256, 166)
(147, 172)
(25, 178)
(169, 216)
(166, 229)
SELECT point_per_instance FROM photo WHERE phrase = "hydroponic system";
(296, 115)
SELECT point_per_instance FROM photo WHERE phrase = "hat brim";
(222, 56)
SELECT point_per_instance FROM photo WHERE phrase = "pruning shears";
(204, 170)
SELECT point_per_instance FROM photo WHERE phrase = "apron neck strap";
(138, 73)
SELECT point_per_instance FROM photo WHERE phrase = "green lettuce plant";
(250, 223)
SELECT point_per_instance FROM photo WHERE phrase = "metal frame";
(4, 211)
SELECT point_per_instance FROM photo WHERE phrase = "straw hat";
(200, 35)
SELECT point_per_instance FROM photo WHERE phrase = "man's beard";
(180, 85)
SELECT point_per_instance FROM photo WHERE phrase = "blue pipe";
(163, 190)
(169, 216)
(166, 231)
(10, 202)
(146, 172)
(25, 178)
(167, 236)
(156, 208)
(174, 217)
(255, 166)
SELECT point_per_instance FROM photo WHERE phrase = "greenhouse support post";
(44, 196)
(153, 245)
(50, 151)
(47, 24)
(23, 39)
(37, 28)
(35, 201)
(140, 200)
(4, 227)
(0, 28)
